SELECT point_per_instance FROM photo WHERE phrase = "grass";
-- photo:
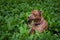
(13, 19)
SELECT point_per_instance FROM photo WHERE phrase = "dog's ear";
(38, 11)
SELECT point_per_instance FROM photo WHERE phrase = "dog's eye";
(35, 15)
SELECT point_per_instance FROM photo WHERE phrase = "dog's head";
(35, 15)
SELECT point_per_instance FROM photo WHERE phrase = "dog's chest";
(39, 25)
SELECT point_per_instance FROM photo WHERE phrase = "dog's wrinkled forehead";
(36, 12)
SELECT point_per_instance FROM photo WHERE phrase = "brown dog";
(37, 22)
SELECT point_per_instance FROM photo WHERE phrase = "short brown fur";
(39, 23)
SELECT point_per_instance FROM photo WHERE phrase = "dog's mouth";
(29, 21)
(35, 23)
(35, 20)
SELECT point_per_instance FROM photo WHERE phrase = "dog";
(37, 22)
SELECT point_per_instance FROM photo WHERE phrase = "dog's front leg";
(31, 31)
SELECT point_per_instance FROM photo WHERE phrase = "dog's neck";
(38, 21)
